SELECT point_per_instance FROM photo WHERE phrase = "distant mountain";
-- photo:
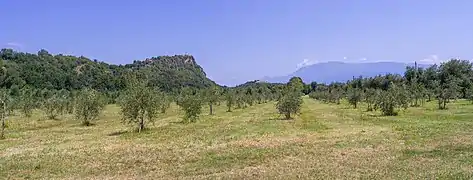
(336, 71)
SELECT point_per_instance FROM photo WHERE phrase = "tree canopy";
(46, 71)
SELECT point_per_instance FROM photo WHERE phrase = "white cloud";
(363, 59)
(344, 58)
(14, 44)
(432, 59)
(305, 62)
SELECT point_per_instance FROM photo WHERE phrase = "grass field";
(324, 142)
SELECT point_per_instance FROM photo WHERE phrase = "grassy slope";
(324, 142)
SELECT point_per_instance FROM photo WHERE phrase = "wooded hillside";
(47, 71)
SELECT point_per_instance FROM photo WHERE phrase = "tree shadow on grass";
(279, 118)
(376, 115)
(44, 126)
(117, 133)
(182, 122)
(178, 122)
(346, 107)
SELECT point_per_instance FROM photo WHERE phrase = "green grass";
(325, 141)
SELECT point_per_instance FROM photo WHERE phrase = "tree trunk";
(85, 122)
(2, 135)
(3, 128)
(355, 104)
(142, 125)
(211, 109)
(288, 115)
(229, 109)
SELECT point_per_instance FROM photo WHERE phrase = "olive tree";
(240, 100)
(446, 91)
(290, 103)
(53, 106)
(355, 95)
(89, 104)
(211, 96)
(394, 97)
(140, 104)
(191, 102)
(27, 101)
(165, 102)
(230, 99)
(5, 109)
(371, 97)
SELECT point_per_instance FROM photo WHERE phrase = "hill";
(340, 72)
(46, 71)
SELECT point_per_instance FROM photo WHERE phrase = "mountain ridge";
(338, 71)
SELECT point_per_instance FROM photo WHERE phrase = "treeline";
(391, 92)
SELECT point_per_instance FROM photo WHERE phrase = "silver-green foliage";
(27, 101)
(211, 96)
(230, 100)
(396, 96)
(165, 102)
(290, 103)
(191, 102)
(354, 96)
(5, 109)
(89, 104)
(53, 106)
(140, 105)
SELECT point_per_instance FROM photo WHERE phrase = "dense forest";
(60, 84)
(55, 72)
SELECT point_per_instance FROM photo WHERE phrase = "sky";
(240, 40)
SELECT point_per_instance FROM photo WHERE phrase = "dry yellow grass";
(324, 142)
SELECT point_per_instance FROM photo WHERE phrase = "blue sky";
(240, 40)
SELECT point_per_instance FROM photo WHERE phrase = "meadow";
(325, 141)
